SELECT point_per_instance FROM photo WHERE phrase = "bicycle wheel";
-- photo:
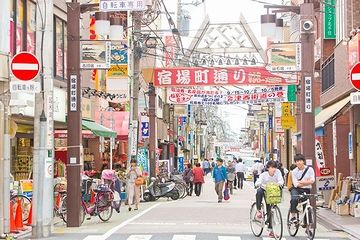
(257, 225)
(310, 223)
(181, 189)
(103, 207)
(63, 211)
(276, 222)
(25, 205)
(292, 228)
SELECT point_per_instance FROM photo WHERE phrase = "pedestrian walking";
(198, 173)
(219, 175)
(231, 176)
(189, 178)
(235, 179)
(133, 190)
(240, 173)
(206, 167)
(258, 168)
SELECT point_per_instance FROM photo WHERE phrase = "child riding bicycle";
(272, 175)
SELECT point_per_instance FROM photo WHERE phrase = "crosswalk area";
(204, 237)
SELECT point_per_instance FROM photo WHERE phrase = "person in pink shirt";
(198, 178)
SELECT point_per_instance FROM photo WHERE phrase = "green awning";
(97, 129)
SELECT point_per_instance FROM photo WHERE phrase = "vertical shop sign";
(330, 19)
(351, 155)
(308, 95)
(73, 93)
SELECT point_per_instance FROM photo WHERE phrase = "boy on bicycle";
(302, 177)
(271, 175)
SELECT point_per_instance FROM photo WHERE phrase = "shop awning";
(97, 129)
(327, 114)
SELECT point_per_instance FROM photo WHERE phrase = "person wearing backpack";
(231, 176)
(302, 178)
(272, 175)
(189, 178)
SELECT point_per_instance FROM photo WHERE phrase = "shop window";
(328, 74)
(22, 26)
(60, 46)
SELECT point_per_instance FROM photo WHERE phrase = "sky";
(229, 11)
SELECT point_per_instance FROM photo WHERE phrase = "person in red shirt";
(198, 178)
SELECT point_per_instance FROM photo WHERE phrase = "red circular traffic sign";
(355, 76)
(25, 66)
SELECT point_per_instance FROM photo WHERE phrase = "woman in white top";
(133, 190)
(272, 175)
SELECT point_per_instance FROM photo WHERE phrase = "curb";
(335, 226)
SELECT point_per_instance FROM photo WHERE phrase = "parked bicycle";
(59, 197)
(306, 216)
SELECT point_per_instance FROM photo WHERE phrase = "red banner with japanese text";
(199, 76)
(187, 96)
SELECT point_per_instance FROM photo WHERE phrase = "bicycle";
(274, 216)
(59, 192)
(306, 215)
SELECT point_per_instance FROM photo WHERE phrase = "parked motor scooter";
(157, 190)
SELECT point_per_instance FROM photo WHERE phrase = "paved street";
(200, 218)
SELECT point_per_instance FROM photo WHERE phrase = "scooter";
(157, 190)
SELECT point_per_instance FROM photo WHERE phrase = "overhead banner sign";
(186, 96)
(197, 76)
(122, 5)
(95, 54)
(286, 57)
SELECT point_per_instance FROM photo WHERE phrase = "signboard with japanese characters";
(122, 5)
(325, 183)
(329, 19)
(24, 87)
(73, 93)
(308, 95)
(286, 57)
(287, 118)
(95, 54)
(118, 71)
(185, 96)
(197, 76)
(319, 156)
(278, 127)
(145, 129)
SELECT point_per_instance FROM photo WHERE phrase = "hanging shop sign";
(197, 76)
(319, 156)
(329, 19)
(287, 118)
(118, 71)
(95, 54)
(119, 53)
(145, 131)
(169, 50)
(143, 160)
(278, 128)
(122, 5)
(185, 96)
(286, 57)
(354, 51)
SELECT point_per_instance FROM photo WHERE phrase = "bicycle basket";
(273, 194)
(105, 199)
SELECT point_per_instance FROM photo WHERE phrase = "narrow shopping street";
(194, 218)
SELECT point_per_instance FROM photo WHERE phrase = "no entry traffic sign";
(25, 66)
(355, 76)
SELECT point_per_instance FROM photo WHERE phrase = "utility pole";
(74, 139)
(136, 52)
(307, 39)
(4, 122)
(152, 122)
(43, 127)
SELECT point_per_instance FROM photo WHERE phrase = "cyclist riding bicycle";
(271, 175)
(302, 177)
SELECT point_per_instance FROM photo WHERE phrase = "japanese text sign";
(207, 97)
(167, 77)
(73, 93)
(122, 5)
(330, 19)
(287, 119)
(308, 95)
